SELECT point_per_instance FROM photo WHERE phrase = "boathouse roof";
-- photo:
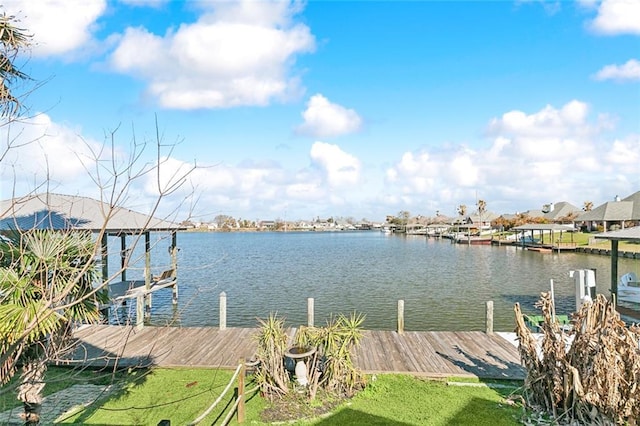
(628, 234)
(65, 212)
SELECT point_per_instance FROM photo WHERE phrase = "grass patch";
(405, 400)
(181, 395)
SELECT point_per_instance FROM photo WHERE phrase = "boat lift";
(585, 284)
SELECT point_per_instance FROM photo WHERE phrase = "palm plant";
(46, 288)
(462, 211)
(13, 40)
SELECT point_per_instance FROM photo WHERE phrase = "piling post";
(174, 265)
(174, 294)
(140, 308)
(240, 410)
(223, 311)
(400, 316)
(489, 318)
(310, 311)
(147, 275)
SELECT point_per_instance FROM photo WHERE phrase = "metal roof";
(60, 212)
(544, 227)
(629, 234)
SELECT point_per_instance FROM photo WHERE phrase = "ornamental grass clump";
(589, 374)
(330, 367)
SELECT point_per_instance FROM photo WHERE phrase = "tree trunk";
(30, 390)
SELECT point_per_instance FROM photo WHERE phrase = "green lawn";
(405, 400)
(181, 395)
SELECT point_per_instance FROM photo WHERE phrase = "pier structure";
(435, 354)
(71, 213)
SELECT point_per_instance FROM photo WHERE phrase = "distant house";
(614, 214)
(554, 213)
(562, 212)
(267, 224)
(481, 220)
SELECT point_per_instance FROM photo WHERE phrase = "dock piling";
(489, 319)
(223, 311)
(310, 311)
(400, 316)
(140, 311)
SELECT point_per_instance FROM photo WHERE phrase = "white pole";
(223, 311)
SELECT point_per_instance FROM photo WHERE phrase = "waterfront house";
(562, 212)
(612, 215)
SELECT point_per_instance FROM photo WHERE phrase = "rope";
(233, 409)
(212, 406)
(235, 405)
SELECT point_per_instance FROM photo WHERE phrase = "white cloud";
(339, 167)
(58, 26)
(463, 170)
(549, 121)
(323, 118)
(617, 17)
(554, 154)
(39, 151)
(538, 157)
(629, 71)
(145, 3)
(240, 53)
(625, 154)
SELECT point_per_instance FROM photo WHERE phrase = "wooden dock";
(440, 354)
(429, 354)
(127, 346)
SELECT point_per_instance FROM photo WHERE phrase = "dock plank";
(431, 354)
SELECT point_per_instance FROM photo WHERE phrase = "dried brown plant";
(588, 374)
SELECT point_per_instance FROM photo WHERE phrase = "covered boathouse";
(77, 213)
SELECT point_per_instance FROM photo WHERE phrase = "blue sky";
(360, 109)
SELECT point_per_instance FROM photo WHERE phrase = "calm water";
(444, 286)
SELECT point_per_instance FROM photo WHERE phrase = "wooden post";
(105, 257)
(174, 265)
(174, 294)
(139, 311)
(614, 270)
(123, 256)
(223, 311)
(241, 391)
(147, 274)
(489, 319)
(310, 311)
(400, 316)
